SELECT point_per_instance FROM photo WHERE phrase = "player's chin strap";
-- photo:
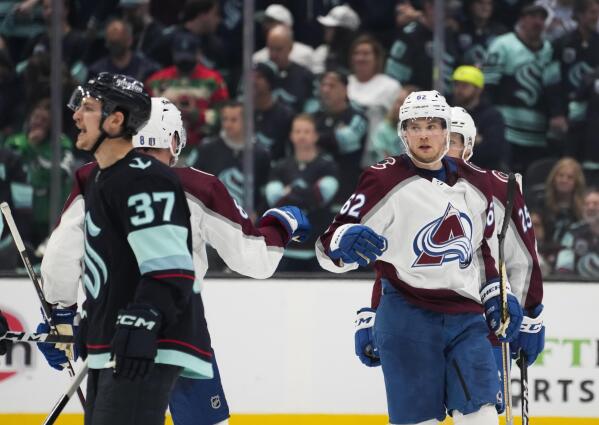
(103, 136)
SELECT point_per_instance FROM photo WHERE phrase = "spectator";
(147, 31)
(121, 58)
(340, 28)
(386, 141)
(410, 60)
(492, 150)
(276, 15)
(477, 32)
(34, 146)
(295, 82)
(342, 128)
(199, 18)
(74, 42)
(578, 55)
(523, 82)
(193, 88)
(580, 245)
(223, 156)
(16, 190)
(368, 86)
(563, 202)
(9, 95)
(272, 118)
(560, 19)
(307, 179)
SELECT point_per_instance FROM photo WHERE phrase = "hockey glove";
(531, 338)
(355, 243)
(293, 219)
(491, 300)
(3, 330)
(365, 348)
(58, 355)
(135, 341)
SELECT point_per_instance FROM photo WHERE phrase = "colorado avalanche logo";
(448, 238)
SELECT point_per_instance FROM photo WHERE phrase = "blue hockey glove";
(364, 341)
(491, 300)
(58, 355)
(531, 338)
(3, 330)
(135, 341)
(293, 219)
(355, 243)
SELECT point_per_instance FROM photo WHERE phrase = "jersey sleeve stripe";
(174, 275)
(161, 247)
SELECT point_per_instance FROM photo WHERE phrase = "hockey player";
(429, 330)
(216, 219)
(522, 264)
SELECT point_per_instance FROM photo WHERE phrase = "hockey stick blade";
(37, 337)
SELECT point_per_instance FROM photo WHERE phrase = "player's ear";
(115, 122)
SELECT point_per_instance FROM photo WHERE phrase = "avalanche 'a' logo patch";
(448, 238)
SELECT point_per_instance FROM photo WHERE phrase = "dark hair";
(581, 6)
(230, 104)
(305, 117)
(193, 8)
(341, 74)
(121, 21)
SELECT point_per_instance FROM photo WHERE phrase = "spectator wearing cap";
(410, 59)
(492, 150)
(295, 82)
(147, 31)
(272, 118)
(275, 15)
(578, 55)
(343, 128)
(341, 26)
(121, 59)
(523, 81)
(368, 86)
(477, 32)
(194, 88)
(201, 19)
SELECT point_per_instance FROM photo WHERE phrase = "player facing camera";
(109, 106)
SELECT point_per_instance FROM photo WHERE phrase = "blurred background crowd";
(327, 82)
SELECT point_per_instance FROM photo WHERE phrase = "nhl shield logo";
(215, 402)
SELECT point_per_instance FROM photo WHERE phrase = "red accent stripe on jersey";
(168, 276)
(185, 344)
(97, 347)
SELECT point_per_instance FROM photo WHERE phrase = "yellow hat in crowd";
(469, 74)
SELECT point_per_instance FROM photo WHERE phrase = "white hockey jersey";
(438, 256)
(216, 219)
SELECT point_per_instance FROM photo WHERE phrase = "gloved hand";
(3, 330)
(293, 219)
(364, 341)
(356, 243)
(135, 341)
(491, 300)
(531, 338)
(57, 355)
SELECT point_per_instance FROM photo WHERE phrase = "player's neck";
(111, 151)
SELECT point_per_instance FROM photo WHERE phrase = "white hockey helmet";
(165, 122)
(423, 104)
(462, 123)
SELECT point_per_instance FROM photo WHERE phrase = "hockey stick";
(522, 362)
(46, 309)
(62, 402)
(505, 318)
(37, 337)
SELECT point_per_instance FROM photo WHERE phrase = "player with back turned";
(140, 309)
(424, 220)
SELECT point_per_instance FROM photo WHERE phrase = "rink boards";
(285, 349)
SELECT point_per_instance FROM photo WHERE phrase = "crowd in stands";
(328, 80)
